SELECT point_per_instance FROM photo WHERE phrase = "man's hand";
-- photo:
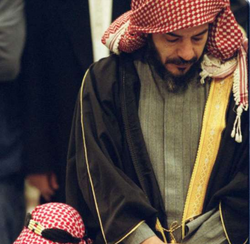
(45, 183)
(153, 240)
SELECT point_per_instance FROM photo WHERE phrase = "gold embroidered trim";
(160, 229)
(86, 158)
(173, 227)
(212, 128)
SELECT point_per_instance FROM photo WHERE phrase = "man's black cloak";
(110, 179)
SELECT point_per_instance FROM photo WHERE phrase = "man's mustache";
(180, 61)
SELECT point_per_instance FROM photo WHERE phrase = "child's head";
(53, 223)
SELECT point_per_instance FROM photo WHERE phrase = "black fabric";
(106, 162)
(125, 188)
(27, 219)
(55, 235)
(130, 88)
(11, 130)
(120, 7)
(58, 51)
(61, 236)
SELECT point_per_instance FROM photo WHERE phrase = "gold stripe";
(87, 162)
(89, 174)
(130, 232)
(223, 224)
(246, 241)
(160, 229)
(213, 125)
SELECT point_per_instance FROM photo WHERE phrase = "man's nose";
(186, 50)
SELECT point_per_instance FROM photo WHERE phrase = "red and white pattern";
(225, 40)
(53, 215)
(242, 87)
(163, 16)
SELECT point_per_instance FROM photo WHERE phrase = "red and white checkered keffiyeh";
(225, 40)
(53, 216)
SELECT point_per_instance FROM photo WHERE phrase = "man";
(159, 144)
(58, 52)
(12, 39)
(53, 223)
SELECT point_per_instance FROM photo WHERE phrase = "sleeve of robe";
(205, 229)
(111, 204)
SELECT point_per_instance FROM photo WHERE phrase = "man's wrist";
(152, 240)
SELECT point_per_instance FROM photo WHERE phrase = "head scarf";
(225, 41)
(53, 223)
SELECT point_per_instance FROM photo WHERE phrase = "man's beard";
(174, 83)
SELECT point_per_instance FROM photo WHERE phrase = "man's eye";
(174, 40)
(197, 39)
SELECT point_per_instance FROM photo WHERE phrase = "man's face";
(180, 49)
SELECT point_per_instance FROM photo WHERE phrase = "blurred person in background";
(240, 9)
(12, 202)
(61, 44)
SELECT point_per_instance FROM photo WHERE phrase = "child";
(53, 223)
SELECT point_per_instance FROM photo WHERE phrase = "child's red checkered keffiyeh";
(225, 40)
(64, 221)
